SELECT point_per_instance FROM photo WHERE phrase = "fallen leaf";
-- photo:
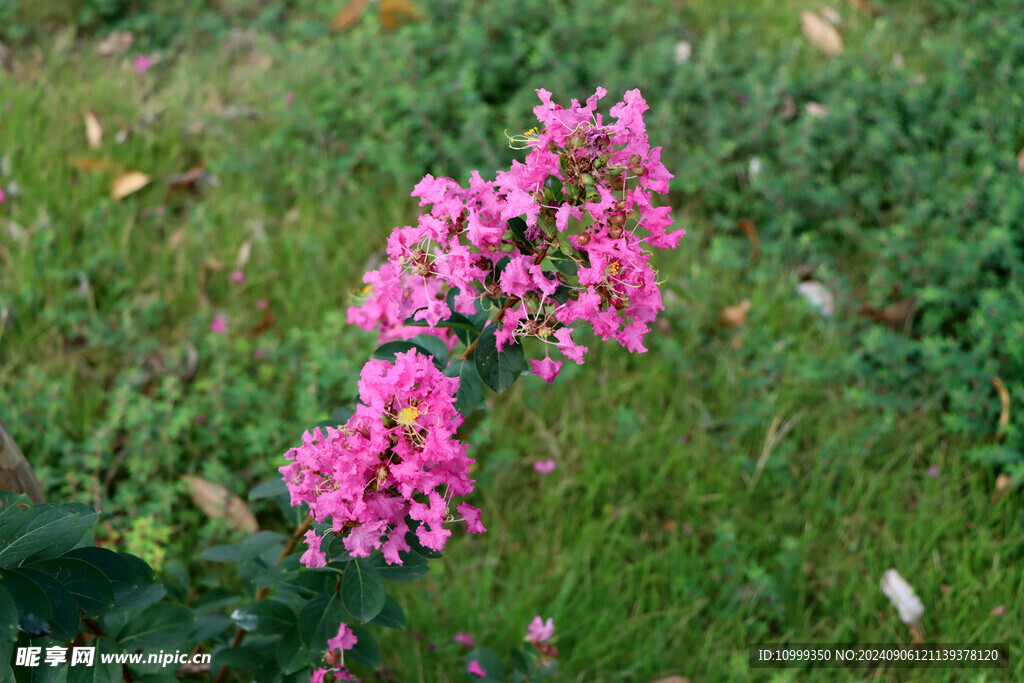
(93, 130)
(734, 316)
(349, 15)
(176, 237)
(998, 611)
(902, 597)
(128, 183)
(244, 252)
(219, 503)
(865, 7)
(673, 679)
(267, 319)
(788, 108)
(748, 228)
(816, 110)
(96, 164)
(821, 34)
(895, 314)
(818, 296)
(1003, 484)
(115, 43)
(831, 15)
(396, 13)
(186, 180)
(1004, 401)
(1020, 160)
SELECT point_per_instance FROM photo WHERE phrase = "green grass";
(674, 530)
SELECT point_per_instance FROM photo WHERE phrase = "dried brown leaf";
(267, 320)
(219, 503)
(998, 611)
(895, 314)
(244, 252)
(1004, 402)
(1020, 160)
(115, 44)
(865, 7)
(96, 164)
(128, 183)
(734, 316)
(821, 34)
(748, 228)
(672, 679)
(396, 13)
(186, 180)
(1003, 484)
(93, 130)
(349, 15)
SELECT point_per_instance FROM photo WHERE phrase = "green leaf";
(64, 609)
(391, 616)
(14, 512)
(210, 625)
(292, 654)
(362, 590)
(91, 589)
(518, 227)
(565, 266)
(266, 617)
(268, 489)
(51, 530)
(427, 344)
(8, 618)
(320, 619)
(98, 672)
(413, 566)
(366, 651)
(220, 553)
(498, 370)
(471, 387)
(490, 662)
(34, 611)
(463, 326)
(159, 627)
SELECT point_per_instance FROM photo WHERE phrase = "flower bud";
(639, 171)
(507, 247)
(507, 235)
(583, 239)
(635, 160)
(615, 232)
(587, 179)
(578, 139)
(617, 219)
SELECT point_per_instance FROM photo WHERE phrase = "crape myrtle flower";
(559, 240)
(396, 457)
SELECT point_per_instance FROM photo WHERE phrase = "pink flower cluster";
(581, 203)
(395, 457)
(335, 656)
(383, 314)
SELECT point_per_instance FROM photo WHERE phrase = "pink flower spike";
(474, 668)
(539, 630)
(345, 640)
(546, 369)
(238, 276)
(544, 466)
(219, 324)
(142, 63)
(464, 639)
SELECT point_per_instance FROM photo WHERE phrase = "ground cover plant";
(734, 484)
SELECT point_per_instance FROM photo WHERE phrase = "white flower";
(902, 596)
(818, 296)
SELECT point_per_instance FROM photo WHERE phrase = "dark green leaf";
(464, 328)
(565, 266)
(91, 589)
(8, 618)
(266, 617)
(210, 624)
(220, 553)
(320, 619)
(362, 590)
(98, 672)
(34, 611)
(63, 608)
(366, 651)
(471, 387)
(518, 227)
(392, 616)
(51, 530)
(498, 370)
(15, 511)
(268, 489)
(160, 626)
(413, 567)
(292, 654)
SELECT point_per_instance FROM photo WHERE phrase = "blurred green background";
(736, 484)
